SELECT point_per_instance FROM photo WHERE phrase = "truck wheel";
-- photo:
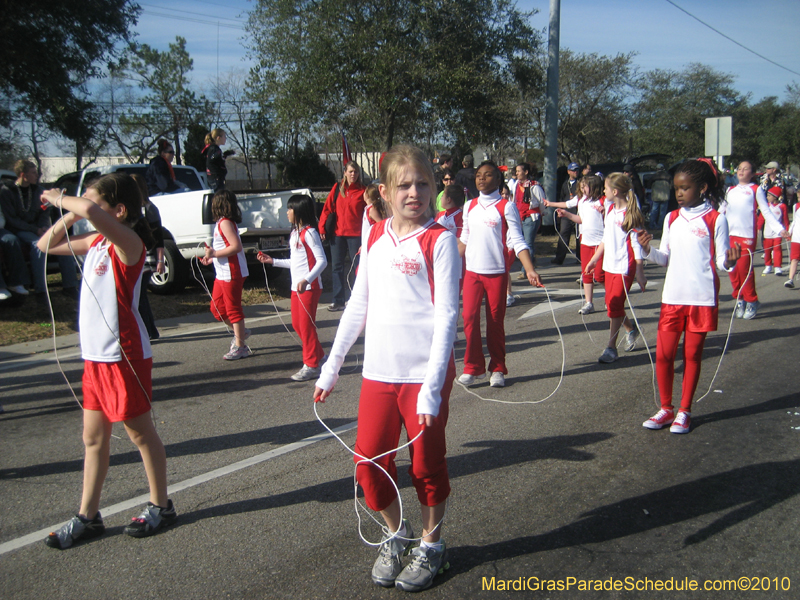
(176, 271)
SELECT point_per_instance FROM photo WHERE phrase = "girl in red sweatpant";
(307, 262)
(694, 238)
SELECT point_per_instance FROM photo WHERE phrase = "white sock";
(435, 546)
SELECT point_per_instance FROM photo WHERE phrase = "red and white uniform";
(116, 287)
(693, 247)
(621, 251)
(795, 231)
(307, 261)
(366, 224)
(772, 241)
(452, 219)
(491, 228)
(537, 196)
(590, 232)
(406, 299)
(232, 267)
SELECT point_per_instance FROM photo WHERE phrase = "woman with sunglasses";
(160, 176)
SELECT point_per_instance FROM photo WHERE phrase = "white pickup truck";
(188, 224)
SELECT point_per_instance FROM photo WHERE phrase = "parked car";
(188, 224)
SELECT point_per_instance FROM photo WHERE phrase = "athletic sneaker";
(682, 422)
(497, 379)
(778, 271)
(789, 283)
(766, 271)
(247, 333)
(426, 563)
(336, 307)
(511, 300)
(521, 276)
(751, 309)
(661, 419)
(19, 289)
(152, 520)
(630, 340)
(389, 563)
(77, 528)
(586, 309)
(468, 379)
(237, 352)
(609, 355)
(4, 294)
(740, 305)
(306, 373)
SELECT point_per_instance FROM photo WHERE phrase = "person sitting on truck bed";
(160, 176)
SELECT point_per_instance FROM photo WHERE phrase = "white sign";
(719, 136)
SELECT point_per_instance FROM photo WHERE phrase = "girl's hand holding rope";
(264, 258)
(302, 286)
(205, 260)
(644, 238)
(320, 394)
(732, 255)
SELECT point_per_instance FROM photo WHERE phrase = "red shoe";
(661, 419)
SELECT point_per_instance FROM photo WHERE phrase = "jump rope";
(85, 283)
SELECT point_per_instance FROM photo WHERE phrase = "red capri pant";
(226, 301)
(617, 288)
(794, 251)
(304, 314)
(696, 322)
(587, 252)
(742, 275)
(383, 409)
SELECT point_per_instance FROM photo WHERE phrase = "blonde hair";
(403, 156)
(634, 219)
(211, 136)
(344, 185)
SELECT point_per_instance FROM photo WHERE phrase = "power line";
(185, 18)
(727, 37)
(194, 13)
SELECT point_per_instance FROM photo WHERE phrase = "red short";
(587, 252)
(794, 251)
(696, 319)
(617, 288)
(226, 301)
(116, 390)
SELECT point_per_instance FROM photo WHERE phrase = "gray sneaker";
(152, 520)
(247, 334)
(609, 355)
(630, 340)
(306, 373)
(586, 309)
(238, 352)
(389, 563)
(77, 528)
(739, 309)
(750, 310)
(424, 566)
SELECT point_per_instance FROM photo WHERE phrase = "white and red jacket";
(306, 259)
(491, 224)
(452, 219)
(693, 247)
(740, 208)
(231, 267)
(405, 298)
(781, 215)
(113, 299)
(620, 250)
(795, 231)
(530, 209)
(592, 213)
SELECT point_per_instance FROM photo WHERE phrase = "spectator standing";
(215, 158)
(12, 257)
(529, 197)
(160, 176)
(659, 194)
(445, 164)
(26, 218)
(448, 178)
(466, 177)
(772, 177)
(345, 207)
(569, 191)
(638, 186)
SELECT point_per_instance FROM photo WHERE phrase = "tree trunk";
(390, 131)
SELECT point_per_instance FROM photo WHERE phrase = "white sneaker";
(19, 289)
(586, 309)
(497, 379)
(4, 294)
(306, 373)
(766, 271)
(630, 340)
(511, 300)
(247, 334)
(778, 271)
(238, 352)
(468, 379)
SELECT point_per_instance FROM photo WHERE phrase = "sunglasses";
(169, 152)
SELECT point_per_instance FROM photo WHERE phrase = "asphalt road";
(567, 490)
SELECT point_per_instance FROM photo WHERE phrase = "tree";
(233, 105)
(669, 116)
(164, 76)
(51, 49)
(768, 131)
(390, 68)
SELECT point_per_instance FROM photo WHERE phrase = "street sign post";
(719, 138)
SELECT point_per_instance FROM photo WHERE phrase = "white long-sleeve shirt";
(487, 219)
(405, 298)
(592, 213)
(739, 209)
(307, 258)
(693, 243)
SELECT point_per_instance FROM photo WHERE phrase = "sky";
(662, 36)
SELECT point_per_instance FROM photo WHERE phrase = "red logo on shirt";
(701, 232)
(101, 269)
(407, 266)
(491, 221)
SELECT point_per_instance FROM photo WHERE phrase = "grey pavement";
(571, 487)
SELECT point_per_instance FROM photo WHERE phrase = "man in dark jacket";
(466, 177)
(566, 227)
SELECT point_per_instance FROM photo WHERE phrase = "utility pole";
(551, 108)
